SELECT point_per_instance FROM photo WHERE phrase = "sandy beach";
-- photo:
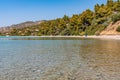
(117, 37)
(113, 37)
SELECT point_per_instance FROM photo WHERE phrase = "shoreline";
(116, 37)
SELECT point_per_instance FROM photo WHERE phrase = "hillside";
(8, 29)
(111, 29)
(87, 23)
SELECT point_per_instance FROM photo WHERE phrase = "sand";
(116, 37)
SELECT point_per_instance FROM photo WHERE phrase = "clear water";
(34, 58)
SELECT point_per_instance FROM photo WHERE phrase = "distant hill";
(19, 26)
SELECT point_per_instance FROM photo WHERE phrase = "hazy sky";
(17, 11)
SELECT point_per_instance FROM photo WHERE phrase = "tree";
(110, 3)
(74, 20)
(66, 18)
(87, 17)
(116, 6)
(116, 17)
(96, 8)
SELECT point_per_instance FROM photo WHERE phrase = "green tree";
(110, 3)
(87, 17)
(116, 17)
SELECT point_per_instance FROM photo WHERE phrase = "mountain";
(7, 29)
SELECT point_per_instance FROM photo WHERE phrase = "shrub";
(97, 32)
(118, 29)
(82, 33)
(116, 17)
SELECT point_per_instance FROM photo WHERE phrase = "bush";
(97, 32)
(82, 33)
(118, 29)
(116, 17)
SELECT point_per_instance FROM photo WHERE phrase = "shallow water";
(29, 58)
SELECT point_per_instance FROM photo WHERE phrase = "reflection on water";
(87, 59)
(101, 60)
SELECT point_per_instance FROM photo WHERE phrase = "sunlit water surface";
(33, 58)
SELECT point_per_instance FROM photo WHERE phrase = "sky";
(18, 11)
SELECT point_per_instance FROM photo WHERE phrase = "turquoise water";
(34, 58)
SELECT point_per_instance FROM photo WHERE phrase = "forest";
(88, 22)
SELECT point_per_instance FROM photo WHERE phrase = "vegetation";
(116, 17)
(88, 22)
(0, 33)
(118, 29)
